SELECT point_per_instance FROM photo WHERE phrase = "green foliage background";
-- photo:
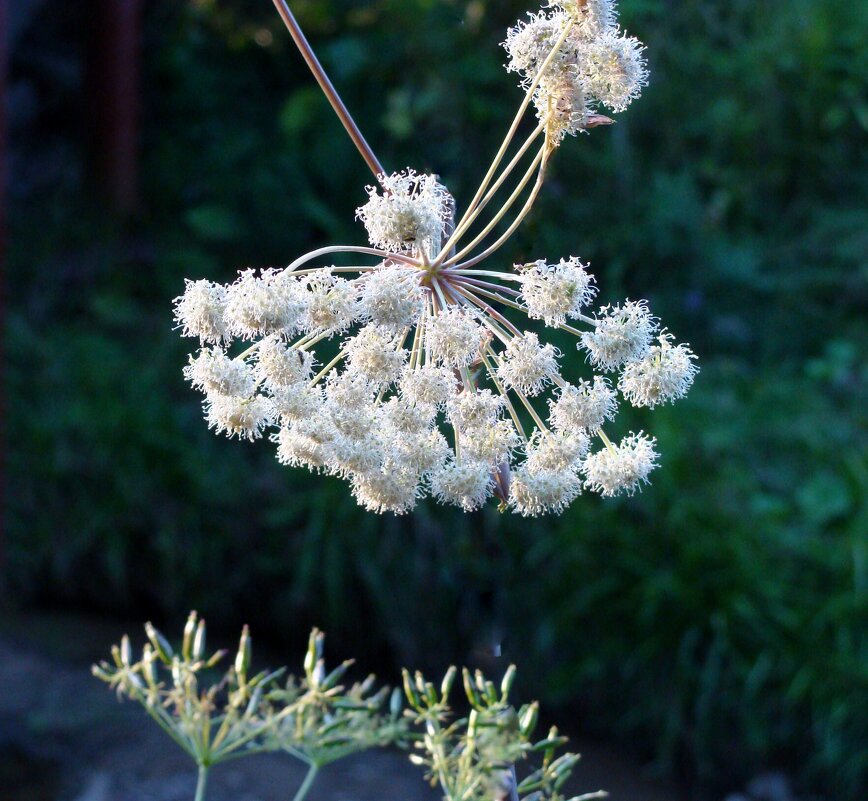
(720, 619)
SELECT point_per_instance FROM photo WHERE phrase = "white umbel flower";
(493, 443)
(536, 493)
(376, 355)
(428, 385)
(215, 373)
(465, 484)
(563, 104)
(279, 365)
(553, 292)
(349, 457)
(622, 334)
(615, 70)
(331, 303)
(528, 44)
(295, 403)
(349, 403)
(406, 213)
(471, 409)
(258, 305)
(528, 366)
(591, 18)
(454, 337)
(307, 443)
(390, 297)
(556, 451)
(621, 468)
(583, 406)
(417, 453)
(407, 418)
(201, 312)
(386, 491)
(665, 374)
(245, 418)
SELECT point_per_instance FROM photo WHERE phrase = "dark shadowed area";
(706, 636)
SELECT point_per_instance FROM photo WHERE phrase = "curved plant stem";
(515, 223)
(328, 88)
(307, 783)
(515, 123)
(201, 782)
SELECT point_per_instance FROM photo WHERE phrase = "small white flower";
(556, 451)
(296, 402)
(427, 385)
(665, 374)
(583, 406)
(349, 402)
(473, 409)
(553, 292)
(622, 334)
(386, 491)
(528, 45)
(264, 304)
(562, 103)
(528, 366)
(349, 457)
(201, 312)
(215, 373)
(614, 70)
(417, 453)
(407, 213)
(245, 418)
(621, 468)
(492, 443)
(465, 484)
(331, 303)
(307, 443)
(390, 297)
(454, 337)
(376, 355)
(536, 493)
(408, 418)
(279, 365)
(590, 17)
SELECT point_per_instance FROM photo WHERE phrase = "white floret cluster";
(417, 375)
(595, 65)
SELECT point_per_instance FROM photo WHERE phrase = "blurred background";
(710, 631)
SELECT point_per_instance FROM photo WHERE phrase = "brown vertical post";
(113, 99)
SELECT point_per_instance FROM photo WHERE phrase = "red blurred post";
(113, 94)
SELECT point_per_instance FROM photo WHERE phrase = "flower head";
(527, 365)
(553, 292)
(665, 374)
(406, 213)
(201, 311)
(466, 484)
(583, 406)
(438, 386)
(622, 334)
(621, 468)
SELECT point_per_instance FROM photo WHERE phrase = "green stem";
(307, 783)
(201, 782)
